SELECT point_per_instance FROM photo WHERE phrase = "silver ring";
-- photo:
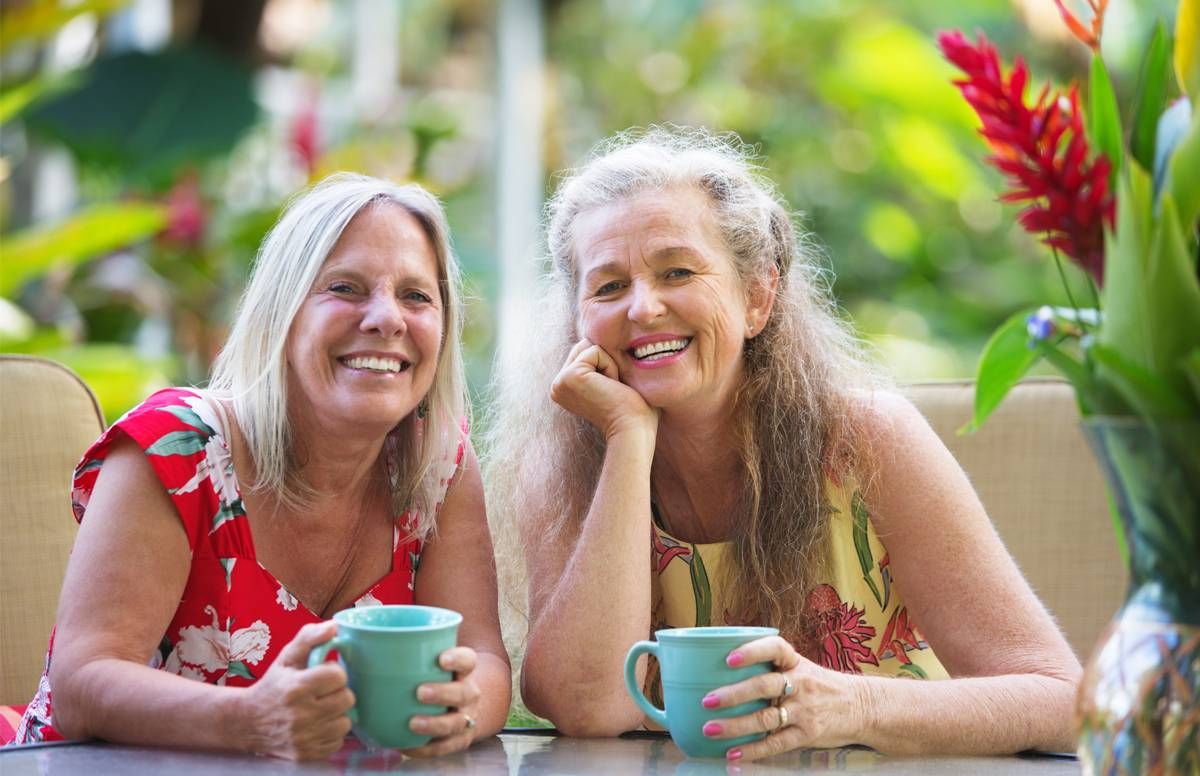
(470, 721)
(783, 719)
(788, 689)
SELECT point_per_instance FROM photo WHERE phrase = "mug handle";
(317, 657)
(653, 712)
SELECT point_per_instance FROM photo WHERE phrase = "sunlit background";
(146, 146)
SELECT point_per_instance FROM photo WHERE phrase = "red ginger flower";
(1042, 151)
(1088, 37)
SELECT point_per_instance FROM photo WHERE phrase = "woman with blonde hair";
(703, 442)
(327, 466)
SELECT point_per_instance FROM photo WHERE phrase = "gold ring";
(470, 721)
(783, 719)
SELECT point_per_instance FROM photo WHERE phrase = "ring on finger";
(783, 718)
(470, 721)
(788, 689)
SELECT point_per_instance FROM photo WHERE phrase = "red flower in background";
(186, 217)
(1089, 37)
(1042, 151)
(303, 133)
(840, 631)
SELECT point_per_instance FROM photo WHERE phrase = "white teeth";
(665, 347)
(376, 364)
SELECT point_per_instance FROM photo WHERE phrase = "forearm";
(975, 716)
(494, 679)
(599, 606)
(120, 701)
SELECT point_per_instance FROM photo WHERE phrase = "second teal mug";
(389, 651)
(692, 663)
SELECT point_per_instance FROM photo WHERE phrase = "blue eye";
(340, 287)
(418, 296)
(608, 288)
(677, 273)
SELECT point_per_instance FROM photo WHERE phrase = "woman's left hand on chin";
(822, 707)
(454, 730)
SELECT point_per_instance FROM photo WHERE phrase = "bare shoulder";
(887, 420)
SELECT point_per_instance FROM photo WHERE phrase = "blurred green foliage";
(180, 170)
(854, 113)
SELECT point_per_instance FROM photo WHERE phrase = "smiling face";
(658, 291)
(363, 349)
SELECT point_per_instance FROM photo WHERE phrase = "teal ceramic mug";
(692, 664)
(389, 651)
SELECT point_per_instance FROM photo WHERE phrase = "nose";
(383, 316)
(645, 303)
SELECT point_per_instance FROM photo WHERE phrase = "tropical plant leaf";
(1006, 358)
(1152, 97)
(89, 233)
(1191, 368)
(37, 21)
(1146, 392)
(1104, 117)
(144, 116)
(1182, 180)
(701, 589)
(862, 542)
(239, 668)
(1081, 379)
(1172, 128)
(16, 99)
(177, 443)
(915, 670)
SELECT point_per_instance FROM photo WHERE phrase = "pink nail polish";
(711, 701)
(712, 728)
(735, 659)
(733, 754)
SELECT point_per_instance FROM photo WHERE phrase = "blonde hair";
(793, 418)
(251, 369)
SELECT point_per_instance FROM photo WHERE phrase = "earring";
(423, 409)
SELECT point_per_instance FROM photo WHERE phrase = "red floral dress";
(234, 616)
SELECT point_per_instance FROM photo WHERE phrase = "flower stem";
(1066, 286)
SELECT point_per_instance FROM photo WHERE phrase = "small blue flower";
(1040, 325)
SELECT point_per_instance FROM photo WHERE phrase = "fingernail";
(711, 701)
(419, 725)
(733, 754)
(735, 659)
(424, 694)
(712, 728)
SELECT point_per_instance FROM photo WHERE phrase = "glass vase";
(1138, 709)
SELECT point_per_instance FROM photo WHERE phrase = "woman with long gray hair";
(327, 466)
(702, 442)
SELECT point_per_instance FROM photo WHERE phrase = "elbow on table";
(70, 712)
(580, 719)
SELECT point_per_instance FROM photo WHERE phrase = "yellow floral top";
(860, 624)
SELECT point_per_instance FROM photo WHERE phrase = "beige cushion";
(1043, 490)
(48, 417)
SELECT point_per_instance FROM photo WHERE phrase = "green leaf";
(145, 116)
(178, 443)
(1191, 368)
(1151, 293)
(862, 542)
(239, 668)
(1173, 127)
(1006, 358)
(17, 98)
(1152, 97)
(1182, 180)
(1104, 118)
(188, 416)
(701, 589)
(1080, 378)
(915, 670)
(89, 233)
(1147, 393)
(37, 21)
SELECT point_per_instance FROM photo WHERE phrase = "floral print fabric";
(859, 622)
(234, 616)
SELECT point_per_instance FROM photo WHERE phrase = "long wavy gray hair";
(793, 424)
